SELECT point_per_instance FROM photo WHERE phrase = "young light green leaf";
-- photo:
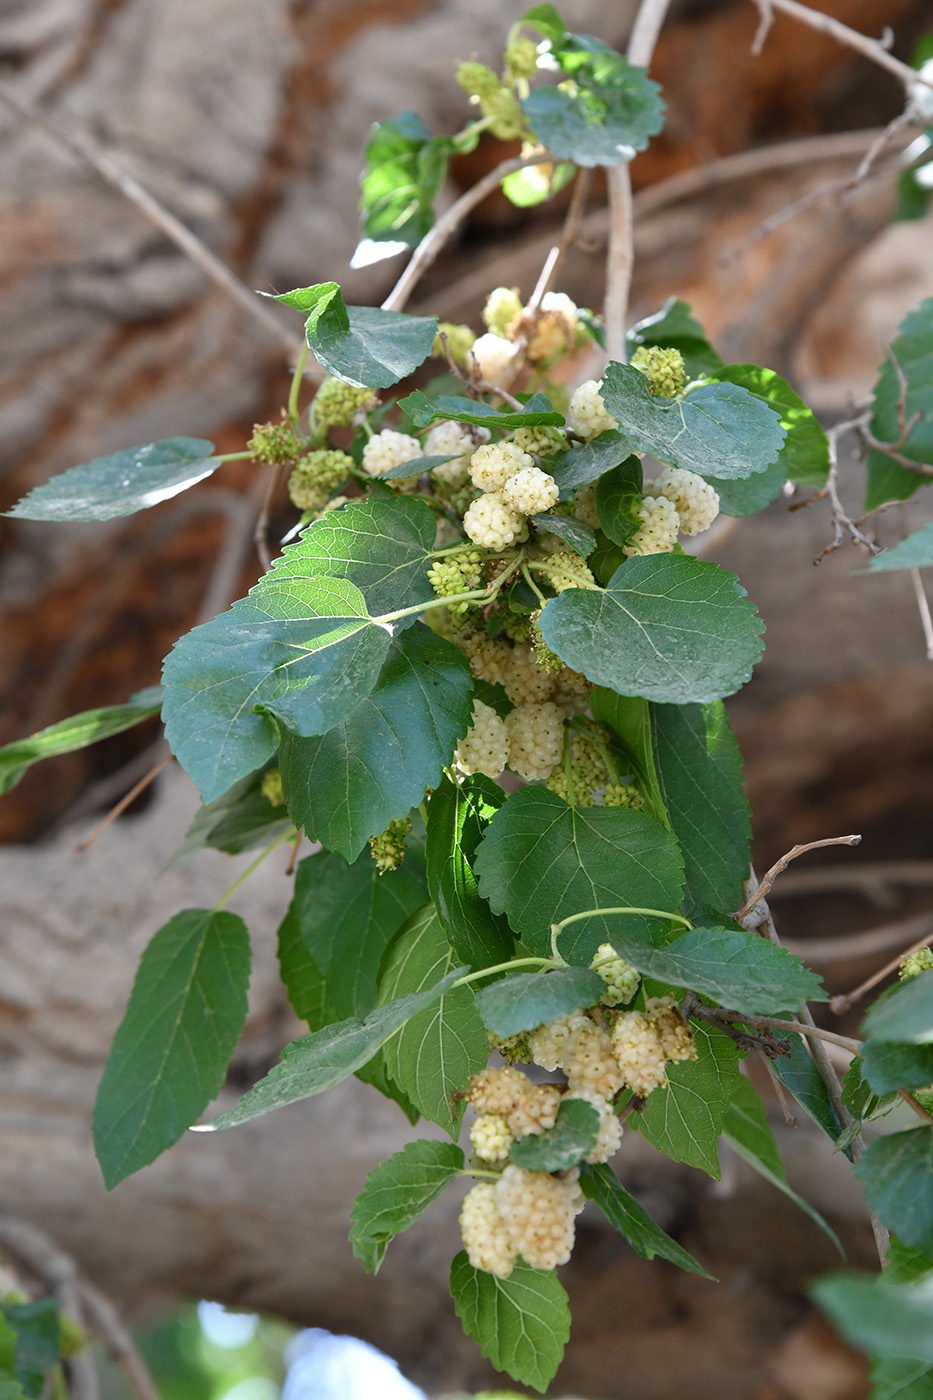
(601, 1185)
(440, 1047)
(587, 461)
(674, 328)
(397, 1192)
(405, 169)
(699, 772)
(362, 345)
(128, 481)
(239, 820)
(685, 1120)
(742, 972)
(748, 1132)
(526, 1000)
(716, 429)
(613, 111)
(904, 1014)
(910, 357)
(915, 551)
(547, 19)
(541, 861)
(538, 412)
(667, 627)
(573, 532)
(536, 183)
(520, 1323)
(892, 1319)
(316, 1062)
(374, 764)
(340, 921)
(563, 1146)
(170, 1054)
(76, 732)
(897, 1172)
(457, 817)
(805, 455)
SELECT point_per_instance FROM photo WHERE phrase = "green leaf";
(699, 773)
(587, 461)
(913, 198)
(667, 627)
(896, 1172)
(900, 1378)
(888, 1067)
(742, 498)
(611, 113)
(170, 1054)
(601, 1185)
(906, 1264)
(239, 820)
(316, 1062)
(547, 19)
(748, 1132)
(803, 458)
(631, 720)
(415, 466)
(913, 552)
(715, 430)
(397, 1192)
(226, 679)
(526, 1000)
(520, 1323)
(913, 353)
(340, 921)
(375, 764)
(801, 1076)
(618, 496)
(573, 532)
(362, 345)
(674, 328)
(893, 1319)
(128, 481)
(541, 861)
(405, 169)
(904, 1014)
(37, 1341)
(457, 817)
(742, 972)
(76, 732)
(563, 1146)
(536, 183)
(538, 412)
(684, 1120)
(440, 1047)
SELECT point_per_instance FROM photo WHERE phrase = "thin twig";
(104, 166)
(915, 1104)
(124, 802)
(570, 233)
(842, 521)
(781, 865)
(119, 1342)
(717, 1014)
(780, 1093)
(841, 1004)
(434, 240)
(765, 21)
(851, 38)
(923, 607)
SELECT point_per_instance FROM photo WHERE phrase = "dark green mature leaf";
(405, 169)
(239, 820)
(801, 1076)
(631, 720)
(803, 458)
(170, 1054)
(340, 922)
(674, 328)
(457, 817)
(526, 1000)
(913, 552)
(415, 466)
(397, 1192)
(362, 345)
(318, 1061)
(440, 1047)
(587, 461)
(128, 481)
(520, 1323)
(901, 1378)
(667, 627)
(754, 493)
(618, 496)
(375, 764)
(685, 1120)
(76, 732)
(912, 353)
(541, 861)
(742, 972)
(716, 430)
(36, 1345)
(748, 1132)
(699, 772)
(888, 1066)
(538, 412)
(573, 532)
(897, 1172)
(610, 115)
(893, 1319)
(904, 1014)
(601, 1185)
(563, 1146)
(906, 1263)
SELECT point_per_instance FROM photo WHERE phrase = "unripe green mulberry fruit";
(623, 795)
(503, 306)
(389, 848)
(918, 962)
(459, 342)
(275, 443)
(336, 403)
(315, 475)
(477, 79)
(664, 369)
(271, 787)
(521, 57)
(459, 573)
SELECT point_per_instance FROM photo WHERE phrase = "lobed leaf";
(122, 484)
(612, 111)
(76, 732)
(521, 1323)
(240, 819)
(525, 1000)
(618, 496)
(171, 1050)
(397, 1192)
(32, 1332)
(601, 1185)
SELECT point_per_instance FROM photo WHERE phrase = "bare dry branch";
(782, 864)
(873, 49)
(841, 1004)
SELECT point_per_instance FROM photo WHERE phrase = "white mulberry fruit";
(492, 464)
(695, 501)
(620, 977)
(538, 1212)
(491, 1138)
(588, 415)
(389, 449)
(530, 490)
(485, 746)
(609, 1133)
(658, 531)
(536, 739)
(484, 1233)
(491, 524)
